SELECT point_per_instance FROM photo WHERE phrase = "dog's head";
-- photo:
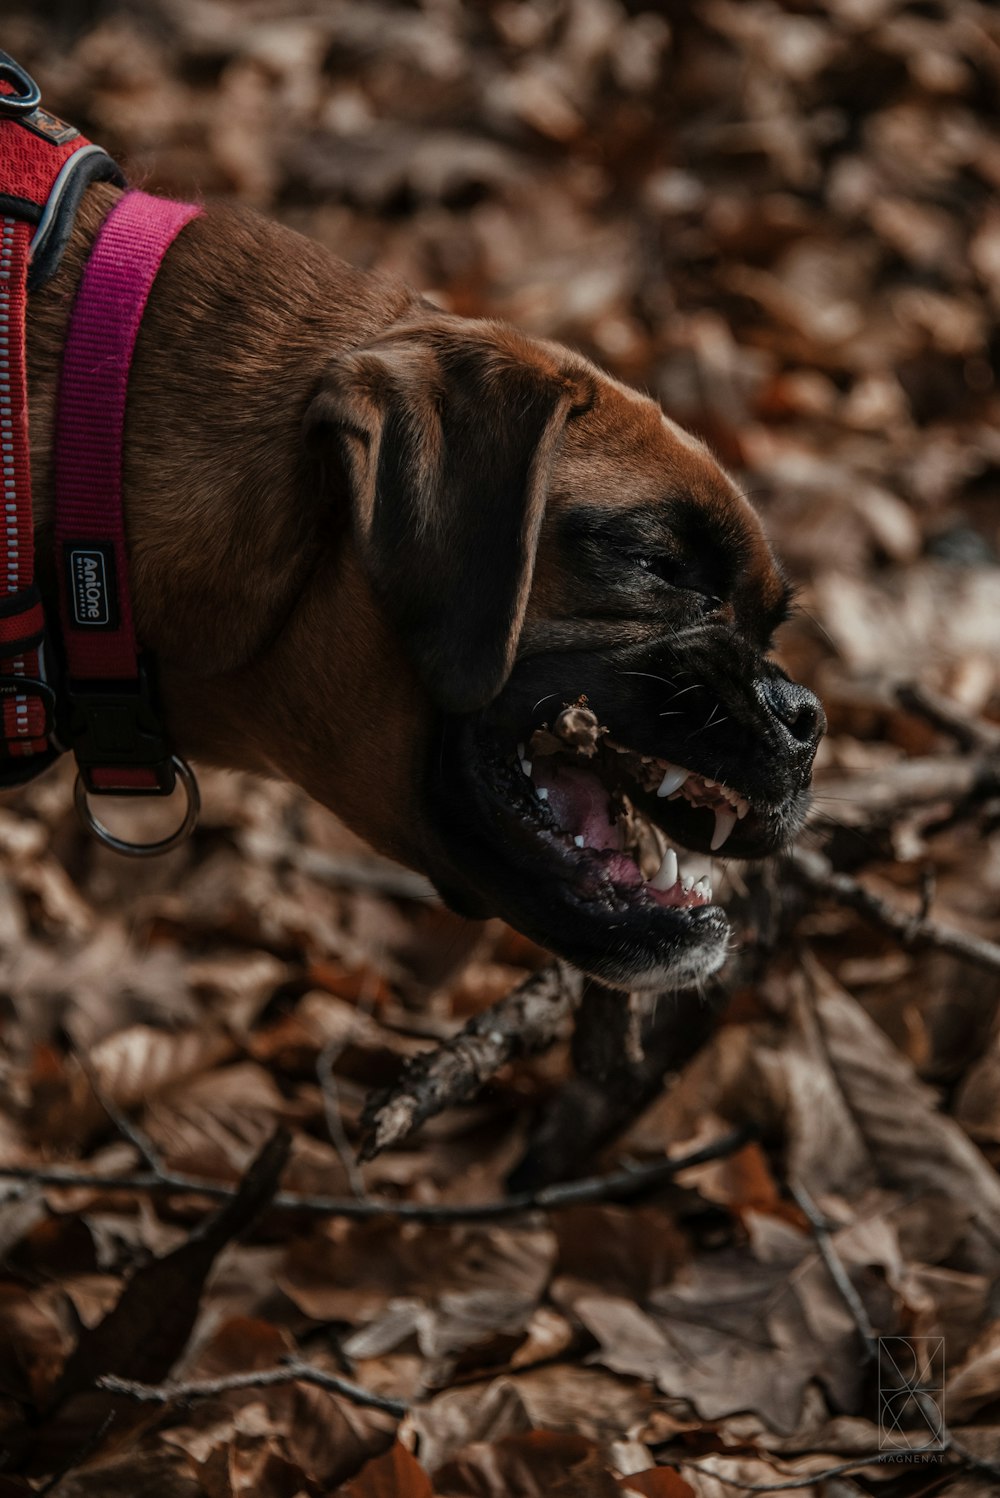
(589, 603)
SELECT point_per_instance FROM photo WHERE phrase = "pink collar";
(112, 725)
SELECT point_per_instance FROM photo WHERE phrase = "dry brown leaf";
(395, 1474)
(656, 1482)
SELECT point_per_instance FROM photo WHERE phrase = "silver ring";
(144, 850)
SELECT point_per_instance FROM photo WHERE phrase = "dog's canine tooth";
(541, 792)
(526, 767)
(666, 875)
(725, 821)
(672, 780)
(579, 840)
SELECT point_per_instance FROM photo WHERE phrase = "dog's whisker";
(650, 674)
(544, 699)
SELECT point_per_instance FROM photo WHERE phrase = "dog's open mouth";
(589, 787)
(583, 790)
(578, 838)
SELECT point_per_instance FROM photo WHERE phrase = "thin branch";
(837, 1271)
(856, 1464)
(960, 1455)
(79, 1456)
(264, 1378)
(326, 1077)
(972, 735)
(524, 1022)
(131, 1132)
(616, 1185)
(875, 800)
(910, 931)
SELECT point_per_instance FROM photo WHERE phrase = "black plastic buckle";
(29, 686)
(115, 725)
(28, 95)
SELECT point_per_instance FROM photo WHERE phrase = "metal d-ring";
(144, 850)
(28, 96)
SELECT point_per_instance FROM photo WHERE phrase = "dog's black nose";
(797, 709)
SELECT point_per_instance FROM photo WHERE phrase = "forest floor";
(782, 219)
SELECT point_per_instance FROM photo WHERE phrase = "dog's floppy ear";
(446, 431)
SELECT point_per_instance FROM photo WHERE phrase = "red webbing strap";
(92, 559)
(41, 158)
(24, 717)
(33, 152)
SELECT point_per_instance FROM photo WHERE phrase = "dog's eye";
(661, 566)
(669, 570)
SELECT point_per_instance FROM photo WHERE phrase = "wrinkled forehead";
(623, 452)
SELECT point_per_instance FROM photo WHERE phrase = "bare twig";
(522, 1023)
(264, 1378)
(837, 1271)
(878, 798)
(616, 1185)
(959, 1454)
(79, 1456)
(910, 931)
(129, 1131)
(973, 735)
(611, 1088)
(807, 1480)
(325, 1062)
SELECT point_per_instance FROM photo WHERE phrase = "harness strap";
(25, 700)
(114, 729)
(45, 166)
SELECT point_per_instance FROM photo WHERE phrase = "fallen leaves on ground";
(781, 219)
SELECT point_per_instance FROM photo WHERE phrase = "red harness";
(87, 687)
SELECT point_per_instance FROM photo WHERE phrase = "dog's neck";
(223, 528)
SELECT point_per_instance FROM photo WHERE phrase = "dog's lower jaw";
(685, 966)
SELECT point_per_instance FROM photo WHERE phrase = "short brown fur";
(277, 654)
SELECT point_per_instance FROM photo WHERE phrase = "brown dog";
(378, 549)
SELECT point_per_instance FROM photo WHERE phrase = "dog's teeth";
(666, 875)
(725, 821)
(541, 792)
(742, 809)
(703, 888)
(672, 780)
(579, 840)
(526, 767)
(687, 884)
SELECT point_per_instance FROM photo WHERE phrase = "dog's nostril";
(797, 709)
(807, 723)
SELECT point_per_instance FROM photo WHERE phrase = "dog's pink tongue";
(581, 805)
(579, 802)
